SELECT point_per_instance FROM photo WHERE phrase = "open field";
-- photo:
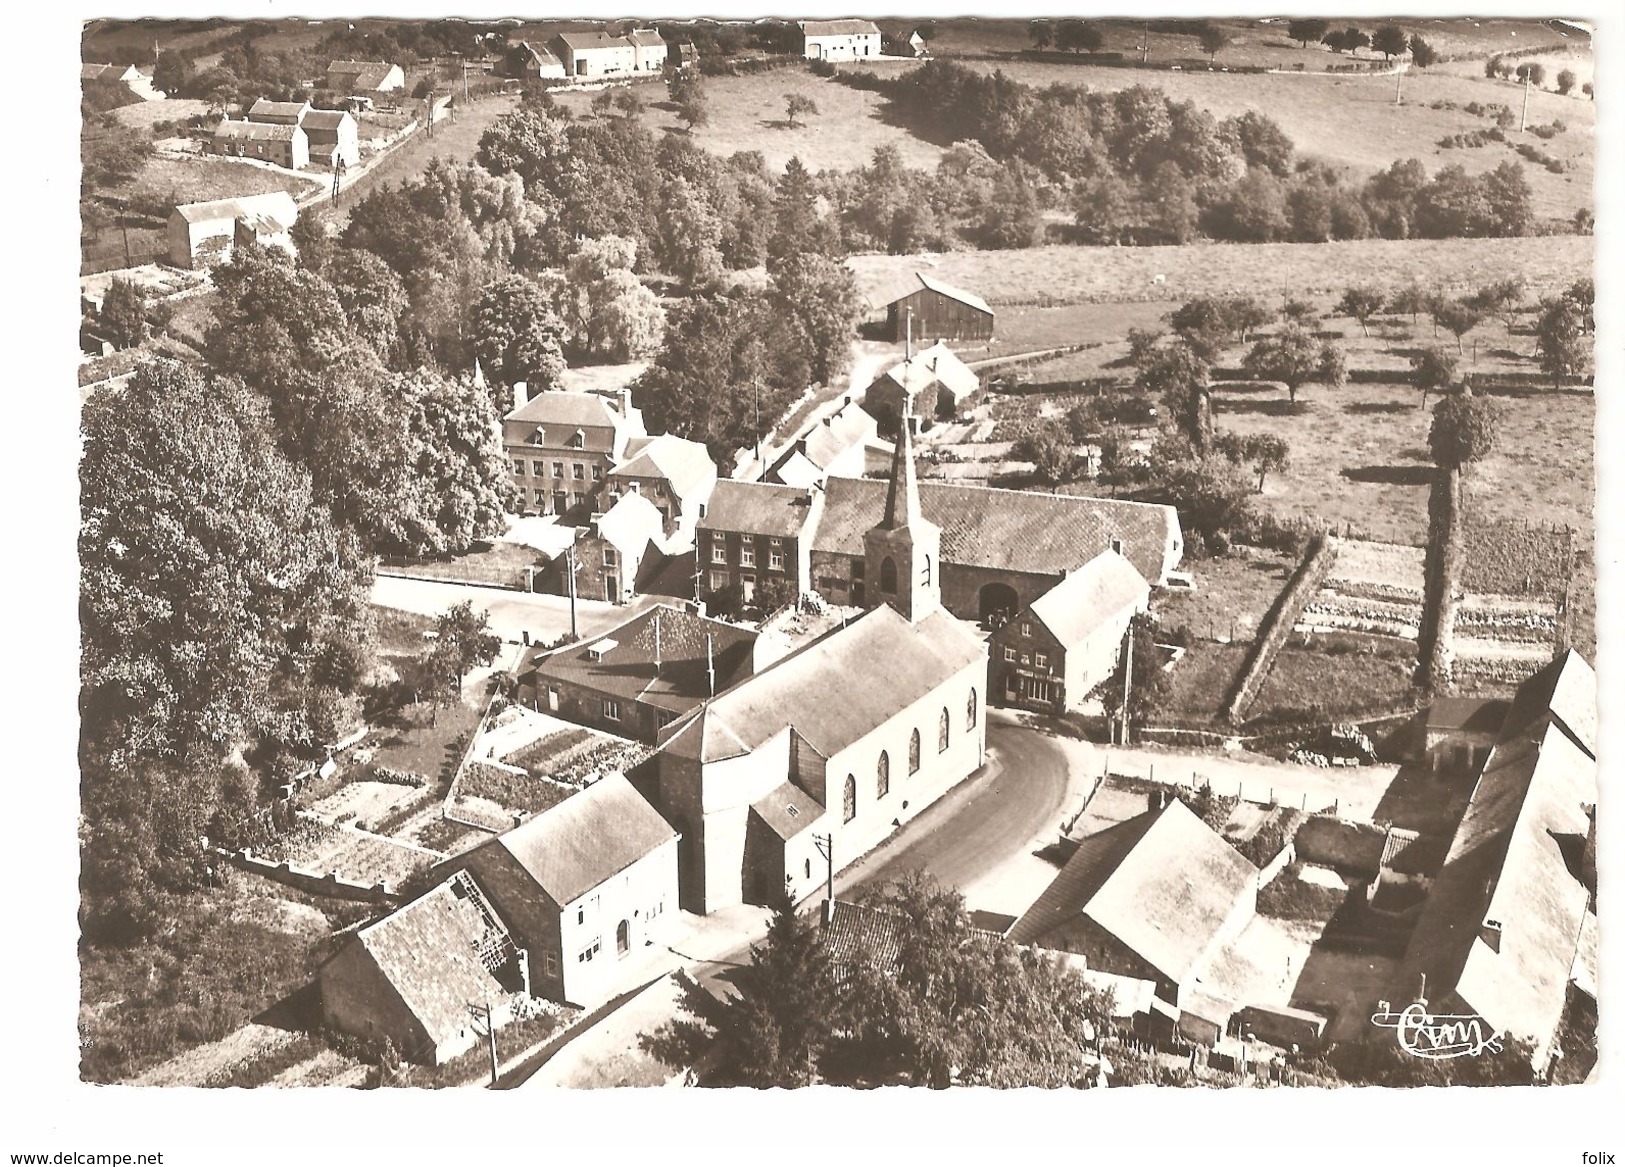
(747, 113)
(1076, 275)
(148, 113)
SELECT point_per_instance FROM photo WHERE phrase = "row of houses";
(640, 52)
(290, 134)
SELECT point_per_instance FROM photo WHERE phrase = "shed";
(938, 311)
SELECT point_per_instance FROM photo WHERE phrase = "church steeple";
(902, 551)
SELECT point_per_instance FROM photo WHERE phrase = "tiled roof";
(685, 464)
(645, 38)
(572, 411)
(953, 293)
(838, 28)
(1398, 846)
(859, 934)
(1467, 714)
(580, 41)
(936, 365)
(1007, 530)
(288, 112)
(1162, 883)
(278, 205)
(326, 120)
(1074, 609)
(761, 508)
(787, 810)
(628, 669)
(428, 951)
(631, 523)
(880, 655)
(575, 846)
(257, 131)
(1513, 860)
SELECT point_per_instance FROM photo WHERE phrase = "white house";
(840, 40)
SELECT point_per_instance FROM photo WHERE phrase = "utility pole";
(1128, 677)
(826, 848)
(491, 1037)
(570, 568)
(1145, 44)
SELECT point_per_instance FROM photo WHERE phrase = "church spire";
(903, 495)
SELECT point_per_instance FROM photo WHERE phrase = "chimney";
(626, 401)
(1490, 933)
(521, 393)
(829, 912)
(657, 642)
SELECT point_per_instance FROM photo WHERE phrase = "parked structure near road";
(930, 384)
(1066, 643)
(754, 532)
(417, 977)
(839, 40)
(1155, 898)
(1001, 549)
(938, 311)
(283, 145)
(365, 78)
(582, 887)
(204, 234)
(562, 445)
(639, 677)
(846, 443)
(1503, 932)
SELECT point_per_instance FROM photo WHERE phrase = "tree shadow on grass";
(1264, 408)
(1367, 407)
(1390, 475)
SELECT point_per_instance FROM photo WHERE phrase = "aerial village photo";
(837, 552)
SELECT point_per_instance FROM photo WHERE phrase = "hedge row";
(1277, 627)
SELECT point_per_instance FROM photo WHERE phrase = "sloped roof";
(821, 443)
(1467, 714)
(686, 465)
(787, 810)
(943, 289)
(326, 120)
(361, 74)
(277, 205)
(1075, 608)
(631, 523)
(762, 508)
(540, 54)
(1006, 530)
(105, 72)
(1564, 691)
(645, 38)
(428, 951)
(575, 846)
(936, 365)
(858, 934)
(257, 131)
(628, 669)
(580, 41)
(1510, 862)
(1162, 883)
(880, 655)
(288, 112)
(839, 27)
(556, 407)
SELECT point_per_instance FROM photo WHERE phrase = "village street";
(513, 614)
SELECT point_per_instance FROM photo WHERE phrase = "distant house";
(845, 443)
(421, 977)
(203, 234)
(932, 382)
(839, 40)
(674, 474)
(529, 62)
(938, 311)
(1001, 549)
(365, 78)
(595, 54)
(109, 74)
(1504, 926)
(639, 677)
(903, 42)
(583, 886)
(1156, 898)
(648, 50)
(279, 113)
(561, 446)
(753, 532)
(333, 137)
(281, 144)
(688, 57)
(1063, 645)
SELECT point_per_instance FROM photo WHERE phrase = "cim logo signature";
(1441, 1036)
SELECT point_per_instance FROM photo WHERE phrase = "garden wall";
(315, 883)
(1346, 846)
(1279, 623)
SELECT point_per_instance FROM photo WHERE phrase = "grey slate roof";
(1075, 608)
(761, 508)
(839, 28)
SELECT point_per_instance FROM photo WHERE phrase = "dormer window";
(579, 441)
(539, 438)
(1117, 545)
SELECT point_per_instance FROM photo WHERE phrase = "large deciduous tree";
(1562, 339)
(819, 298)
(1294, 357)
(608, 311)
(1179, 374)
(517, 337)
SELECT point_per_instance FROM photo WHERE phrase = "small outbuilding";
(365, 78)
(204, 234)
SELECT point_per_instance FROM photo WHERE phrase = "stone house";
(931, 384)
(754, 532)
(675, 475)
(203, 234)
(839, 40)
(561, 446)
(275, 142)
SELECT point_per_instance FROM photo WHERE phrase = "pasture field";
(747, 113)
(1079, 275)
(196, 180)
(148, 113)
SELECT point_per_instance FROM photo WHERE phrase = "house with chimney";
(846, 442)
(561, 447)
(582, 888)
(675, 475)
(587, 55)
(755, 533)
(774, 784)
(930, 384)
(280, 143)
(1058, 649)
(642, 675)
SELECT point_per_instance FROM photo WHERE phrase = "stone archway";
(996, 604)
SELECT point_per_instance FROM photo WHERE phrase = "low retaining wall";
(1337, 843)
(1278, 625)
(315, 883)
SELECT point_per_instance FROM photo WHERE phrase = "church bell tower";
(902, 553)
